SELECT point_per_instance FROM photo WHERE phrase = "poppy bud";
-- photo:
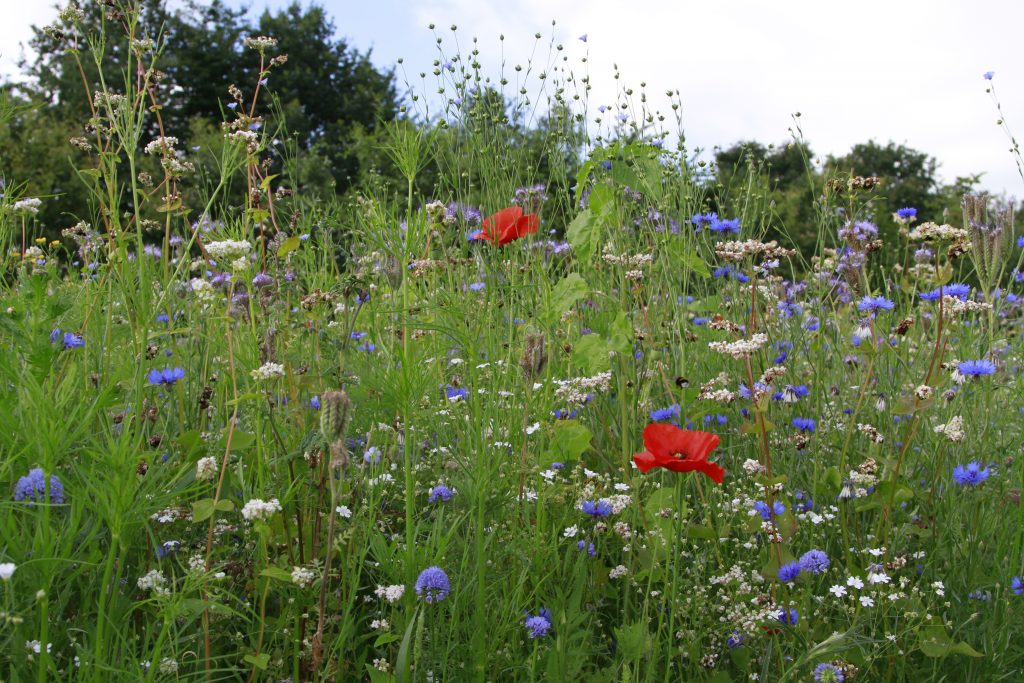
(534, 356)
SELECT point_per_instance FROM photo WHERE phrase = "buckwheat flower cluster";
(161, 145)
(249, 138)
(257, 509)
(390, 594)
(303, 576)
(935, 232)
(870, 432)
(228, 249)
(155, 581)
(29, 206)
(206, 468)
(578, 390)
(955, 306)
(710, 391)
(741, 348)
(952, 430)
(633, 262)
(268, 371)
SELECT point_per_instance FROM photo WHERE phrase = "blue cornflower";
(455, 393)
(789, 572)
(356, 334)
(432, 585)
(907, 212)
(814, 561)
(725, 225)
(54, 335)
(789, 617)
(168, 376)
(372, 455)
(875, 303)
(1020, 241)
(957, 289)
(970, 474)
(976, 368)
(600, 508)
(314, 403)
(589, 547)
(163, 318)
(805, 424)
(662, 414)
(988, 75)
(701, 219)
(761, 508)
(72, 341)
(33, 487)
(440, 493)
(477, 286)
(583, 37)
(367, 347)
(827, 673)
(538, 625)
(1017, 585)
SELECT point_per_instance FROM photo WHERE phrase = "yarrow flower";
(970, 474)
(268, 371)
(432, 585)
(257, 509)
(168, 376)
(538, 625)
(32, 487)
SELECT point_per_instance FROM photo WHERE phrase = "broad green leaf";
(564, 296)
(632, 640)
(277, 573)
(259, 661)
(202, 510)
(591, 353)
(289, 245)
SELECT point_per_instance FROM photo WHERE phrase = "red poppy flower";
(509, 224)
(679, 450)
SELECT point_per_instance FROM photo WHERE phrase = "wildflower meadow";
(549, 402)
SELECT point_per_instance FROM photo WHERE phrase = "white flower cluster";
(933, 231)
(952, 430)
(741, 348)
(27, 206)
(303, 576)
(203, 290)
(260, 43)
(206, 468)
(154, 580)
(260, 509)
(578, 389)
(955, 306)
(390, 594)
(228, 249)
(161, 145)
(633, 262)
(268, 371)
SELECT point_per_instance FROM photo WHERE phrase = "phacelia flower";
(432, 585)
(679, 450)
(970, 474)
(32, 487)
(827, 673)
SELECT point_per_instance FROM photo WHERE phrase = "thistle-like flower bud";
(534, 356)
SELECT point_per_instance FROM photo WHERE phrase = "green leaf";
(224, 505)
(964, 649)
(620, 335)
(259, 661)
(569, 441)
(289, 245)
(277, 573)
(167, 207)
(386, 638)
(584, 235)
(934, 641)
(631, 640)
(403, 664)
(564, 296)
(202, 510)
(265, 183)
(682, 255)
(591, 353)
(239, 441)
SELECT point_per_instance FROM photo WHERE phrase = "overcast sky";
(903, 70)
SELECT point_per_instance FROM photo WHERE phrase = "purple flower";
(168, 376)
(600, 508)
(814, 561)
(828, 673)
(33, 487)
(440, 493)
(432, 585)
(789, 572)
(539, 625)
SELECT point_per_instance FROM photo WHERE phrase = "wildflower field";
(485, 419)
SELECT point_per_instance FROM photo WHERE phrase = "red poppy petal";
(662, 439)
(701, 444)
(714, 471)
(645, 461)
(499, 222)
(527, 225)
